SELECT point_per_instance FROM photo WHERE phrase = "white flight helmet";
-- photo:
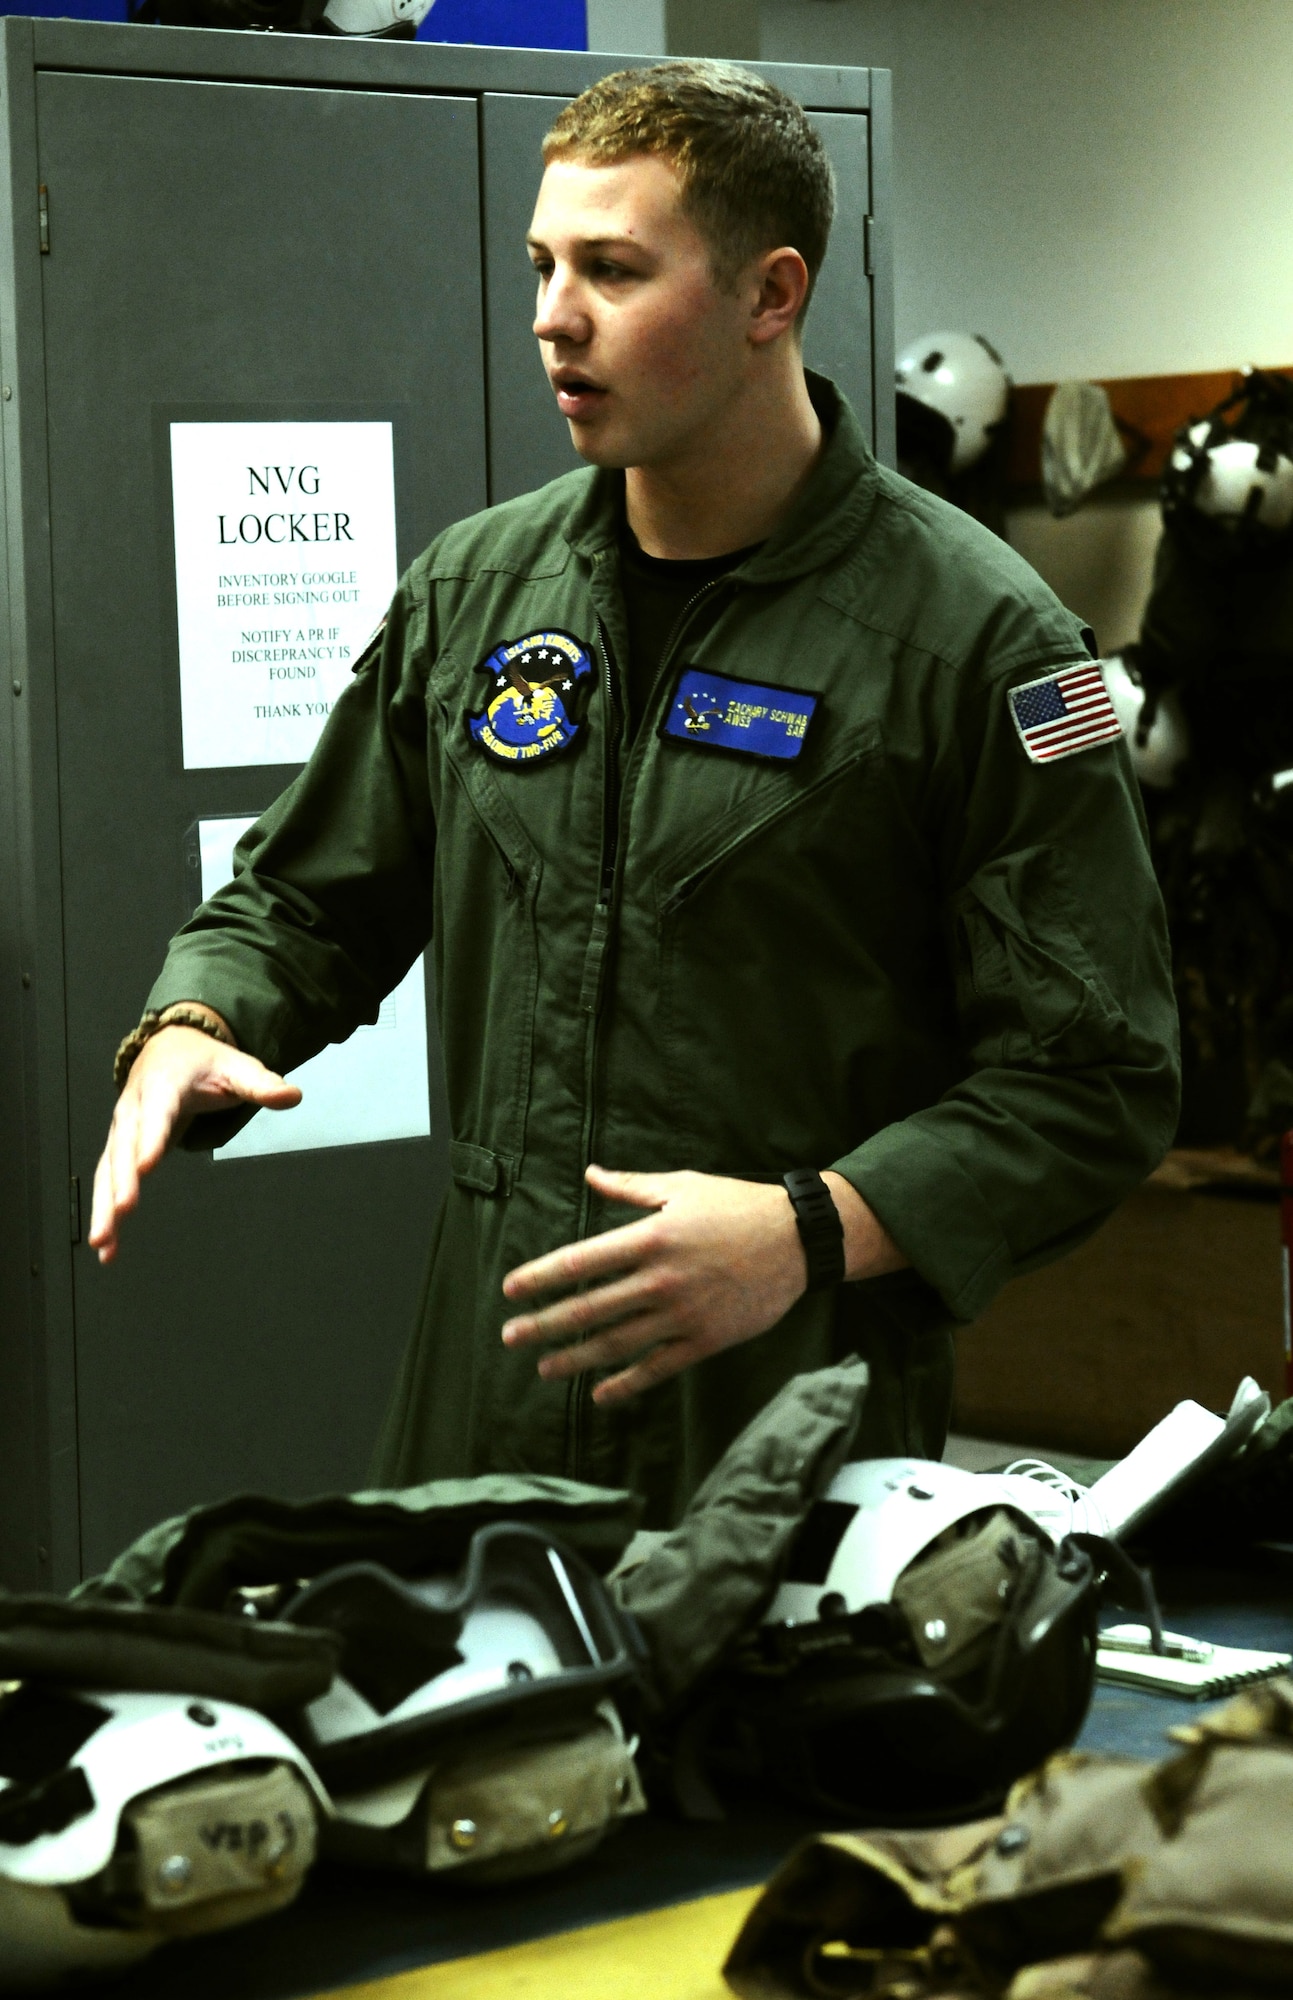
(933, 1639)
(880, 1514)
(963, 379)
(373, 17)
(1227, 486)
(126, 1819)
(1232, 485)
(1166, 743)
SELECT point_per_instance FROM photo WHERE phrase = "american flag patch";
(1067, 711)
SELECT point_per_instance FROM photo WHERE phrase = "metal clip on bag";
(470, 1725)
(127, 1819)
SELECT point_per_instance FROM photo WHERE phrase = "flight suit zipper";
(615, 793)
(617, 802)
(590, 996)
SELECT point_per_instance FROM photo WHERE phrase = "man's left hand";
(716, 1262)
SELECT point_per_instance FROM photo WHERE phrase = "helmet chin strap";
(1124, 1582)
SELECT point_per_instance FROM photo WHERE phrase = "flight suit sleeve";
(1058, 948)
(331, 899)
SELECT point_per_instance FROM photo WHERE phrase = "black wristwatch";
(820, 1230)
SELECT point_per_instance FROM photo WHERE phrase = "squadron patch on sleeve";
(719, 713)
(539, 684)
(1064, 712)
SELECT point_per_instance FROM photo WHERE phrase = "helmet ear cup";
(871, 1736)
(1153, 721)
(926, 442)
(1047, 1672)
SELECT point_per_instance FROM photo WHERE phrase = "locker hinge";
(868, 251)
(74, 1208)
(42, 200)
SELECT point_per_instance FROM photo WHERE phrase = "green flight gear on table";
(889, 942)
(159, 1649)
(196, 1559)
(168, 1614)
(171, 1611)
(696, 1589)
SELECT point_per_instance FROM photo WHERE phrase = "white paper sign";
(373, 1086)
(284, 566)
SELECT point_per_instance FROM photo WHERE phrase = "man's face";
(643, 349)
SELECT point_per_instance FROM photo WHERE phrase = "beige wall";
(1098, 561)
(678, 27)
(628, 27)
(1103, 187)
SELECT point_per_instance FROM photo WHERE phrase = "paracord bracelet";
(820, 1230)
(152, 1023)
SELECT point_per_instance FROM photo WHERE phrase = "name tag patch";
(1065, 712)
(532, 709)
(724, 714)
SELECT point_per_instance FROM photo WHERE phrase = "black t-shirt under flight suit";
(657, 591)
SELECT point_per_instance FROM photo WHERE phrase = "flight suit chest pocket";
(748, 810)
(1028, 988)
(765, 934)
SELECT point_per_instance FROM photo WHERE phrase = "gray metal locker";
(214, 227)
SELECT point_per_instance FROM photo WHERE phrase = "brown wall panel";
(1179, 1294)
(1149, 409)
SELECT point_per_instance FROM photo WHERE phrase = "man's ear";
(781, 278)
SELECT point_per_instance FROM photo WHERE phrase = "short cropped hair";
(753, 170)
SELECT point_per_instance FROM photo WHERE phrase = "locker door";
(245, 251)
(528, 441)
(837, 338)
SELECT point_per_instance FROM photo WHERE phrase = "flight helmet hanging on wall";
(1218, 627)
(1228, 487)
(391, 19)
(953, 394)
(1158, 737)
(1215, 649)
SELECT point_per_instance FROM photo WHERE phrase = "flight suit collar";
(828, 517)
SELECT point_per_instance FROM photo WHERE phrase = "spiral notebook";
(1191, 1667)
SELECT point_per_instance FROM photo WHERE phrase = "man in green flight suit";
(769, 825)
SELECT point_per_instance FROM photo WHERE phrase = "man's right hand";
(177, 1074)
